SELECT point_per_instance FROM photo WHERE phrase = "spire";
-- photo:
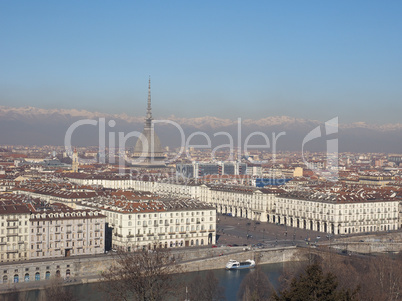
(149, 112)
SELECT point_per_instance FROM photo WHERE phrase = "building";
(358, 210)
(14, 233)
(158, 223)
(148, 152)
(238, 201)
(75, 163)
(201, 169)
(66, 232)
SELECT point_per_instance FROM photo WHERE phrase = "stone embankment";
(88, 269)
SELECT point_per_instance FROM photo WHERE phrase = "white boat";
(236, 265)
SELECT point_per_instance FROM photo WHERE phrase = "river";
(230, 280)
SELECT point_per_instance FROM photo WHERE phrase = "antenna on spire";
(149, 112)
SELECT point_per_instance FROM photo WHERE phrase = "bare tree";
(379, 278)
(255, 286)
(55, 290)
(205, 288)
(142, 275)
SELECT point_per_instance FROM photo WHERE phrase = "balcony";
(12, 227)
(12, 219)
(211, 230)
(12, 234)
(150, 234)
(130, 236)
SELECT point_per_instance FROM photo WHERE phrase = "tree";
(314, 285)
(205, 288)
(56, 291)
(379, 277)
(255, 286)
(142, 275)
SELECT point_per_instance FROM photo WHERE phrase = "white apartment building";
(246, 202)
(334, 214)
(164, 222)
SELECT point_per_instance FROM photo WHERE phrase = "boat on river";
(236, 265)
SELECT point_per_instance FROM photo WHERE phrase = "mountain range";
(38, 126)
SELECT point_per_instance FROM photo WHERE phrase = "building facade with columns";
(333, 214)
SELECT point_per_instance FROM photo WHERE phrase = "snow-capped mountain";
(31, 125)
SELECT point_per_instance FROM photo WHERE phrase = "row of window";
(37, 276)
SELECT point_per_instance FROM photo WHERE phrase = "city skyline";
(228, 60)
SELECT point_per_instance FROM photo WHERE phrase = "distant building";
(75, 163)
(396, 158)
(298, 172)
(148, 152)
(200, 169)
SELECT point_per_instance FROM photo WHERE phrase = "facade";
(164, 222)
(75, 164)
(246, 202)
(333, 214)
(198, 169)
(14, 233)
(65, 233)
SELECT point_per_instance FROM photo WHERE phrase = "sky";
(229, 59)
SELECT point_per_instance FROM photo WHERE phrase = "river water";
(230, 280)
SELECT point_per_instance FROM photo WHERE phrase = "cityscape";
(189, 177)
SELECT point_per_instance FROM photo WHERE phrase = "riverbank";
(87, 270)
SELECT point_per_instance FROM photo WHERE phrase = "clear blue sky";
(308, 59)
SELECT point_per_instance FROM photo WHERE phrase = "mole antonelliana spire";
(148, 151)
(149, 109)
